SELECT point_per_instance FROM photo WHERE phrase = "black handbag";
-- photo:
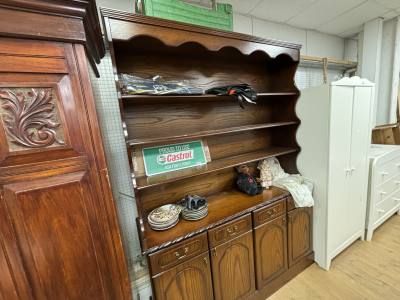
(242, 92)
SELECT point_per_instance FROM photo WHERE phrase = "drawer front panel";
(269, 212)
(387, 170)
(230, 230)
(164, 259)
(382, 208)
(386, 189)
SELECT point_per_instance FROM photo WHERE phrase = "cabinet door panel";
(361, 138)
(339, 164)
(53, 221)
(300, 234)
(271, 250)
(233, 268)
(188, 281)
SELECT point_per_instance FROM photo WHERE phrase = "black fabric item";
(242, 92)
(248, 184)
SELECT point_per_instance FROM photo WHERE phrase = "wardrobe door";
(361, 137)
(339, 161)
(58, 229)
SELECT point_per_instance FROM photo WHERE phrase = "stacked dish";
(195, 214)
(164, 217)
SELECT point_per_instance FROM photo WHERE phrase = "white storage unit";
(335, 135)
(384, 186)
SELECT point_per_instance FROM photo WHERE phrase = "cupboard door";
(54, 231)
(361, 138)
(188, 281)
(339, 165)
(233, 268)
(59, 231)
(271, 250)
(300, 234)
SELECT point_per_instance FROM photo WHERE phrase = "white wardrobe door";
(339, 214)
(360, 142)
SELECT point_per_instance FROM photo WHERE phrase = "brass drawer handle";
(231, 230)
(185, 252)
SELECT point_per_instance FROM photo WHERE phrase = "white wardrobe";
(335, 136)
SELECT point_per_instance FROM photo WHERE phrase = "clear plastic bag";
(135, 85)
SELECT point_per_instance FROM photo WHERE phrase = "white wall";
(313, 43)
(379, 61)
(386, 72)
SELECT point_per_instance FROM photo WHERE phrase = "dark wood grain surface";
(203, 57)
(270, 250)
(190, 280)
(233, 268)
(299, 234)
(222, 207)
(59, 231)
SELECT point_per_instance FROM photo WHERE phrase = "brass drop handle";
(232, 230)
(284, 221)
(205, 260)
(185, 252)
(213, 252)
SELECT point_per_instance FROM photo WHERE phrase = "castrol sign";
(167, 158)
(175, 157)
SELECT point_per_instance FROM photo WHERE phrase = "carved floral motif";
(30, 117)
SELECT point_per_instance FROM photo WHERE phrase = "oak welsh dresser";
(247, 246)
(59, 233)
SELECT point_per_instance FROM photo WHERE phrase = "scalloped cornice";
(125, 26)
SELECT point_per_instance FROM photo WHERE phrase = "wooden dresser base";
(280, 281)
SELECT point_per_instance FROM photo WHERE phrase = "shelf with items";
(222, 207)
(231, 135)
(144, 182)
(197, 98)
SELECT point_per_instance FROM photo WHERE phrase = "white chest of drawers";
(384, 186)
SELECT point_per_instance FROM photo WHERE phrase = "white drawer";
(387, 170)
(384, 190)
(382, 208)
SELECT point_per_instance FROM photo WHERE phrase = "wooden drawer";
(165, 259)
(269, 212)
(230, 230)
(290, 203)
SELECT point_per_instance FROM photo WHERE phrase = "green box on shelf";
(220, 18)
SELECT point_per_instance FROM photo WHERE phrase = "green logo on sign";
(162, 159)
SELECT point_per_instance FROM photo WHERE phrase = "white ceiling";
(338, 17)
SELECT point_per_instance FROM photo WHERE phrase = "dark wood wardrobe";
(59, 233)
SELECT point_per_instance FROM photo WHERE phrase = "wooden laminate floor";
(366, 270)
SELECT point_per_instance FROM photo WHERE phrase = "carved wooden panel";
(271, 250)
(233, 268)
(54, 229)
(187, 281)
(30, 118)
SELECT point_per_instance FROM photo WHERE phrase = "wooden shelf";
(144, 182)
(205, 133)
(222, 207)
(199, 98)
